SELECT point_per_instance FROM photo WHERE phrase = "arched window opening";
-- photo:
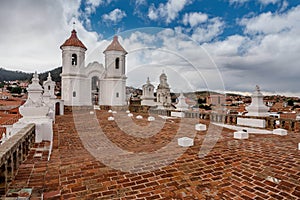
(117, 63)
(117, 94)
(49, 87)
(95, 81)
(74, 94)
(74, 59)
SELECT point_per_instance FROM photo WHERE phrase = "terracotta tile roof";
(115, 46)
(279, 106)
(2, 130)
(73, 41)
(14, 110)
(9, 119)
(11, 102)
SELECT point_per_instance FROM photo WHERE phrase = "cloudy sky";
(219, 45)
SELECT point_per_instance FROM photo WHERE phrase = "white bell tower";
(114, 86)
(75, 85)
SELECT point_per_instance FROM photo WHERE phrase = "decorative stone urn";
(34, 106)
(257, 106)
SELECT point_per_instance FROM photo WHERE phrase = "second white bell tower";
(114, 87)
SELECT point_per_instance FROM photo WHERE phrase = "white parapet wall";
(177, 114)
(44, 131)
(258, 123)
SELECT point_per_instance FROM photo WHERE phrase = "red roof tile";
(115, 46)
(73, 41)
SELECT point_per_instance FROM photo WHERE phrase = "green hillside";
(8, 75)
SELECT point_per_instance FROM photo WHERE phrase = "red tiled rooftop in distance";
(73, 41)
(11, 102)
(8, 119)
(233, 169)
(279, 107)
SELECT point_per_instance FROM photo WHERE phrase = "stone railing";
(271, 122)
(288, 124)
(13, 152)
(160, 112)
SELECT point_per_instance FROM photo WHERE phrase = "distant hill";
(199, 94)
(8, 75)
(55, 74)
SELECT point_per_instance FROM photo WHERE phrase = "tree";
(16, 90)
(201, 100)
(205, 107)
(290, 102)
(9, 88)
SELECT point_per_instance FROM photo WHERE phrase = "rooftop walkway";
(262, 167)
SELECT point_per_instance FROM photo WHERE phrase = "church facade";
(93, 84)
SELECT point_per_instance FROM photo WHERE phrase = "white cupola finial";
(49, 78)
(257, 88)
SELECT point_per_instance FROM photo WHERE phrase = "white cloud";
(186, 63)
(268, 54)
(168, 11)
(30, 43)
(114, 16)
(270, 59)
(284, 6)
(152, 13)
(202, 29)
(140, 8)
(91, 6)
(209, 31)
(194, 19)
(268, 23)
(238, 1)
(227, 48)
(140, 2)
(264, 2)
